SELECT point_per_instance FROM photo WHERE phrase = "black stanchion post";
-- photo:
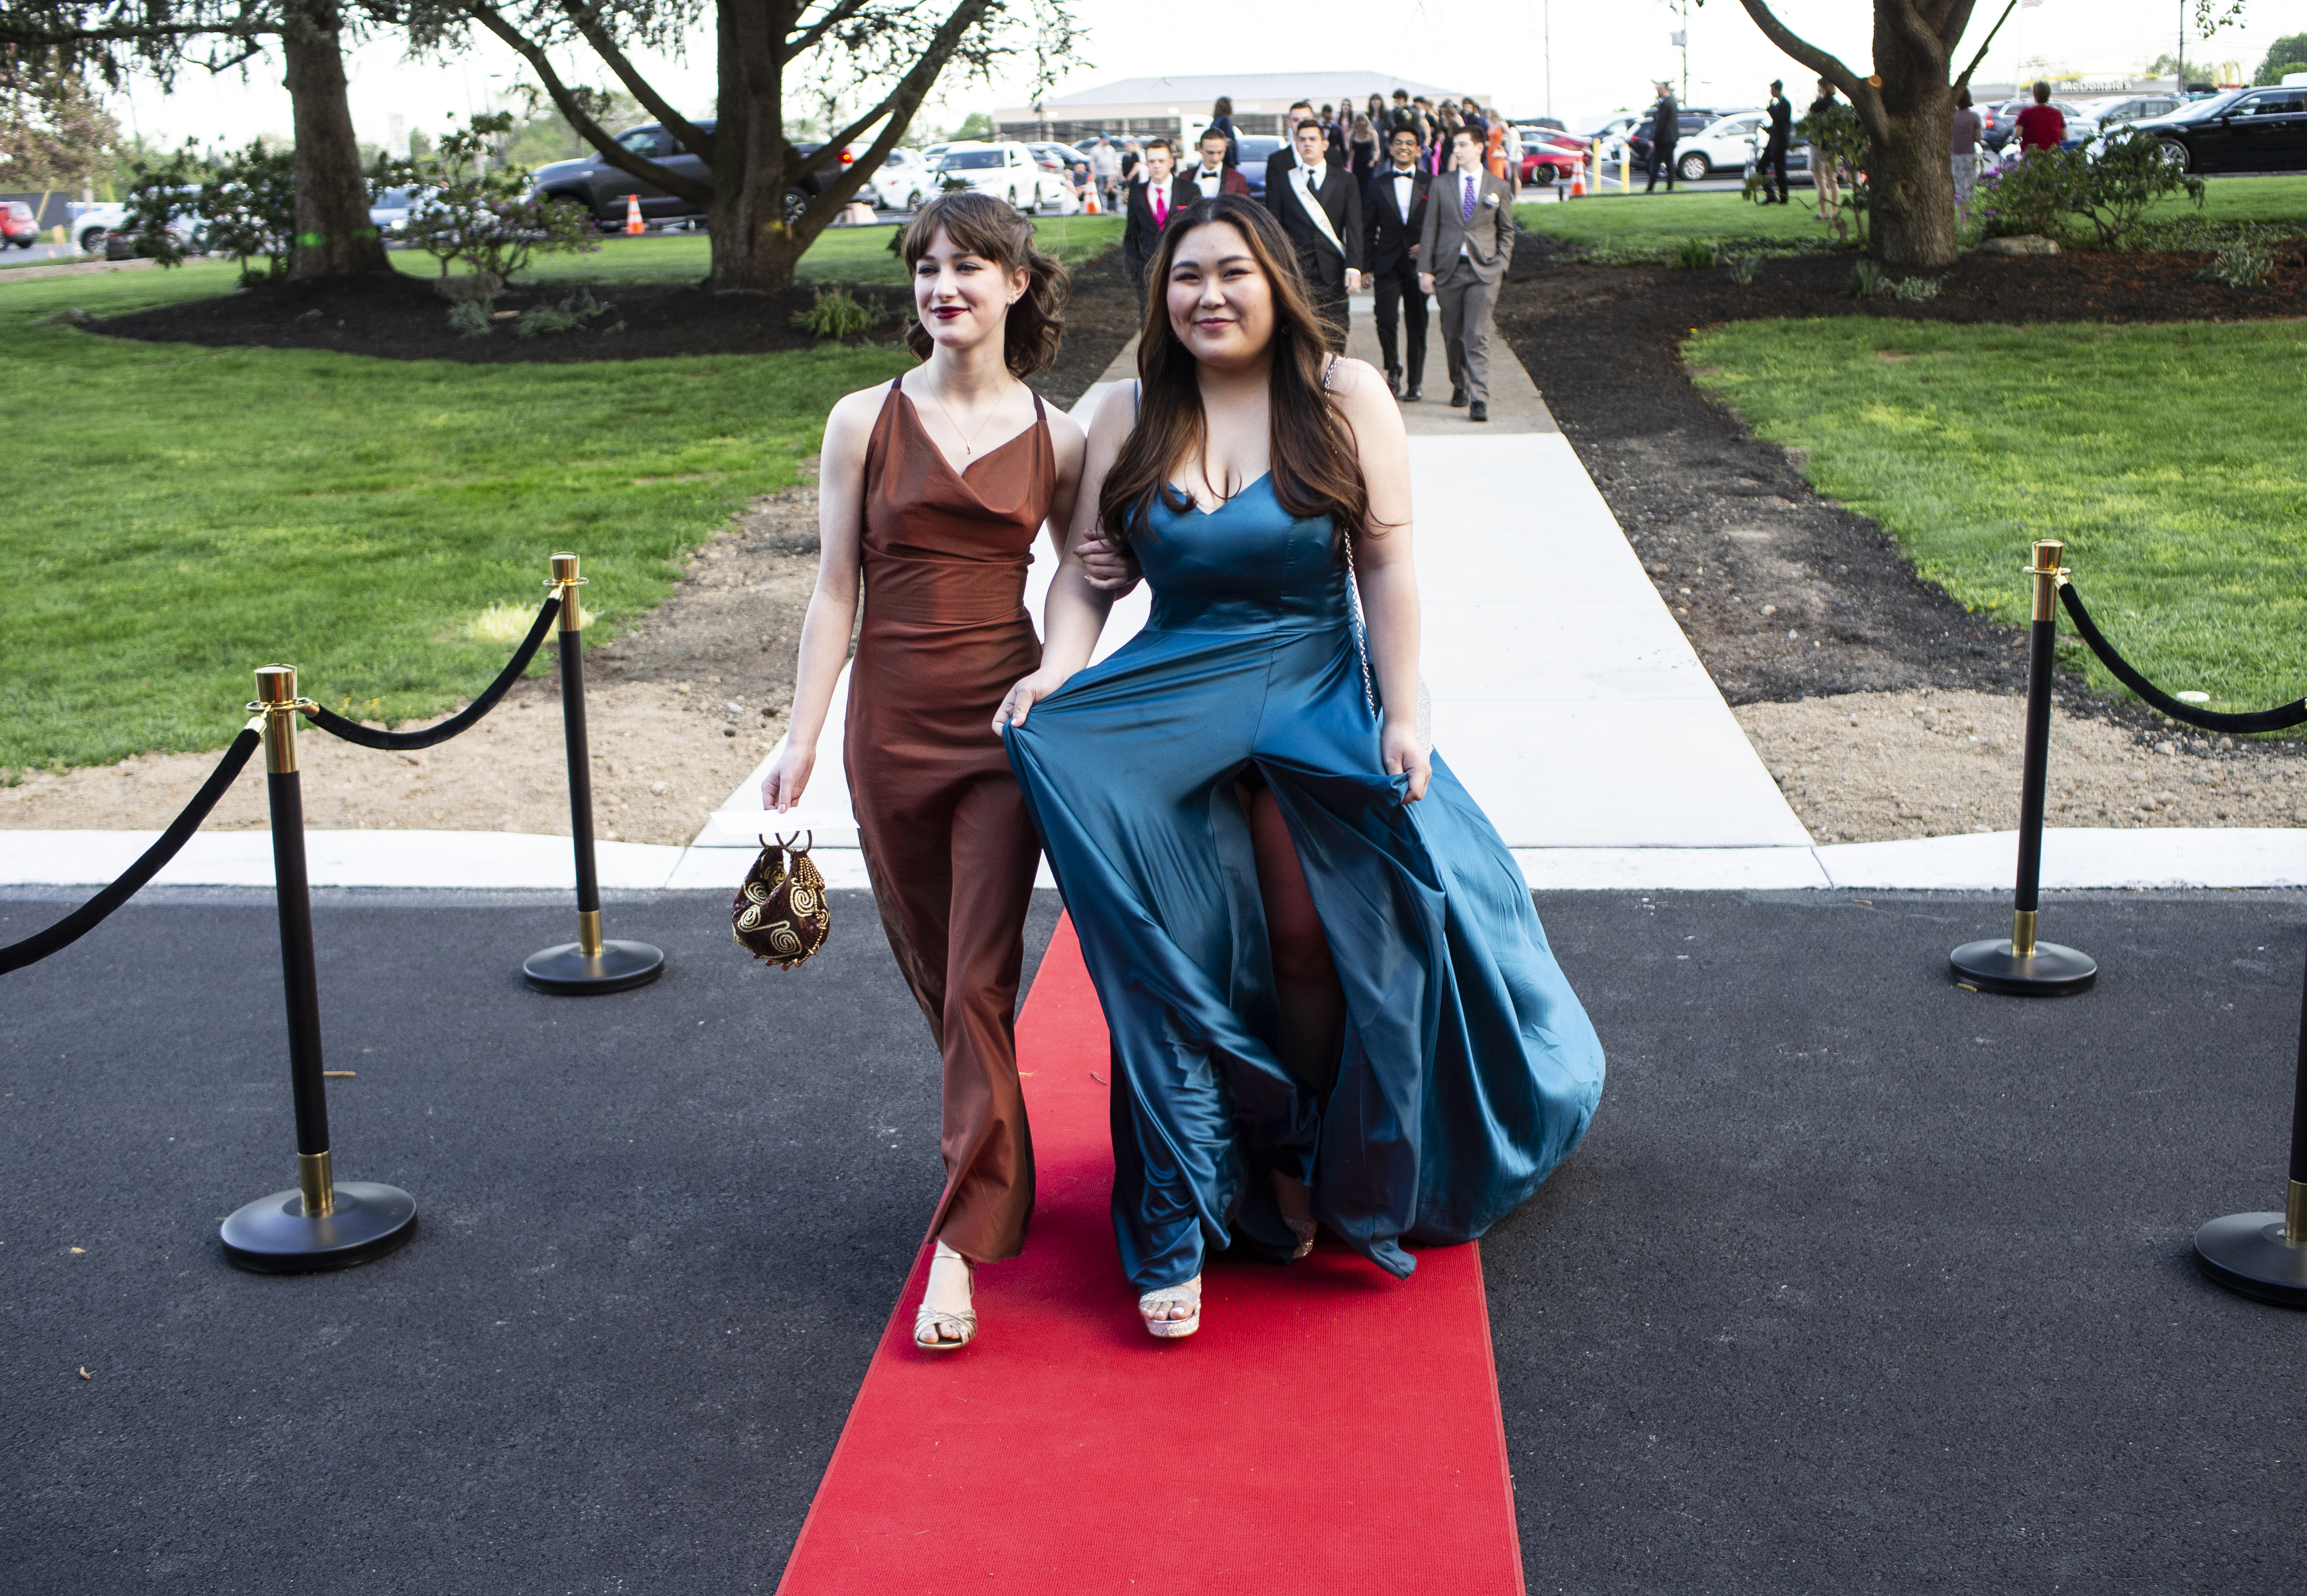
(323, 1223)
(588, 964)
(2265, 1255)
(2023, 966)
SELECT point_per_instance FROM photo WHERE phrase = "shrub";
(1840, 141)
(2239, 266)
(471, 318)
(242, 205)
(490, 219)
(2028, 196)
(570, 315)
(1913, 290)
(1868, 279)
(2111, 190)
(1694, 254)
(833, 315)
(1742, 268)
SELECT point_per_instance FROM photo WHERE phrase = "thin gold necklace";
(969, 440)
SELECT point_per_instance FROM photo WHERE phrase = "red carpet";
(1330, 1430)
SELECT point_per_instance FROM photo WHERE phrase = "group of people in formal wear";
(1427, 214)
(1332, 1007)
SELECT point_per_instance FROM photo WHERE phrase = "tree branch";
(1864, 97)
(588, 20)
(899, 105)
(1963, 82)
(808, 38)
(679, 185)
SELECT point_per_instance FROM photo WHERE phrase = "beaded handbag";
(781, 916)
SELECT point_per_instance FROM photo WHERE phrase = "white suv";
(1007, 171)
(1722, 145)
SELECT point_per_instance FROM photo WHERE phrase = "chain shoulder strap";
(1353, 581)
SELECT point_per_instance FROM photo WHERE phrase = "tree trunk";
(334, 235)
(1911, 212)
(754, 250)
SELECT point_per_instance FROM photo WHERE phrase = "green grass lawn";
(840, 255)
(2172, 459)
(1644, 224)
(179, 515)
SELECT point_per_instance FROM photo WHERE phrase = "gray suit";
(1469, 260)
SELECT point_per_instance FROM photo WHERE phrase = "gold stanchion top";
(276, 684)
(2046, 556)
(564, 569)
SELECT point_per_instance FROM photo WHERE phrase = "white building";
(1179, 106)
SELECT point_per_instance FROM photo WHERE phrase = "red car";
(1551, 158)
(18, 226)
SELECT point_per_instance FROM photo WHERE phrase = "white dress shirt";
(1211, 184)
(1404, 181)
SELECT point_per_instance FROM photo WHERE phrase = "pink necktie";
(1161, 209)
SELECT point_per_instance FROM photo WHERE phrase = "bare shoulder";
(1361, 393)
(1117, 412)
(1067, 439)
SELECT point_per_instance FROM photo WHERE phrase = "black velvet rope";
(2266, 720)
(464, 720)
(85, 919)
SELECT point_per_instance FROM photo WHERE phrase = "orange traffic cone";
(1089, 203)
(1578, 182)
(633, 215)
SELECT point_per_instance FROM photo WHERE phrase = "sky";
(1603, 58)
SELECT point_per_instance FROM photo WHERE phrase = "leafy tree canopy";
(2286, 55)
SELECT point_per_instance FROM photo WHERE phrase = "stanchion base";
(2246, 1253)
(620, 966)
(2050, 970)
(273, 1235)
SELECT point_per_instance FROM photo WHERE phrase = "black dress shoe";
(1478, 412)
(1394, 380)
(1457, 398)
(1410, 395)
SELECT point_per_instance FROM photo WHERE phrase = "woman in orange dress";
(932, 490)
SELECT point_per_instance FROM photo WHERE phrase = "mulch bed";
(1715, 511)
(400, 318)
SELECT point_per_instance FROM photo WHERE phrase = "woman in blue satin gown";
(1329, 993)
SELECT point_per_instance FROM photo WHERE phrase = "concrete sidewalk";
(1564, 695)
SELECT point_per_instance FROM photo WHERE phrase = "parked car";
(2247, 129)
(904, 181)
(1007, 171)
(388, 211)
(18, 225)
(1723, 144)
(602, 188)
(91, 222)
(1549, 156)
(2110, 111)
(1691, 120)
(1610, 138)
(1999, 124)
(1256, 149)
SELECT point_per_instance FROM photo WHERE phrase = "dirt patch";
(1873, 766)
(1798, 604)
(400, 318)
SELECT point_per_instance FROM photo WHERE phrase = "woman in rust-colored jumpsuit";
(933, 489)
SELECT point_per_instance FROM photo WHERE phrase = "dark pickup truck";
(602, 188)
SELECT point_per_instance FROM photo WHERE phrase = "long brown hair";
(1314, 468)
(983, 226)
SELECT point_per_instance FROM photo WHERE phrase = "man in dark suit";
(1781, 133)
(1666, 133)
(1217, 175)
(1320, 207)
(1463, 255)
(1393, 209)
(1154, 199)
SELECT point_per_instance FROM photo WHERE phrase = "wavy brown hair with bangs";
(1316, 470)
(983, 226)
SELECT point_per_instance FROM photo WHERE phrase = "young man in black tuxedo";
(1154, 198)
(1320, 207)
(1393, 209)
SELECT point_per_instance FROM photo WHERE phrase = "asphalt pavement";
(1861, 1281)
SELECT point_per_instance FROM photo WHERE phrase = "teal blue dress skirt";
(1469, 1070)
